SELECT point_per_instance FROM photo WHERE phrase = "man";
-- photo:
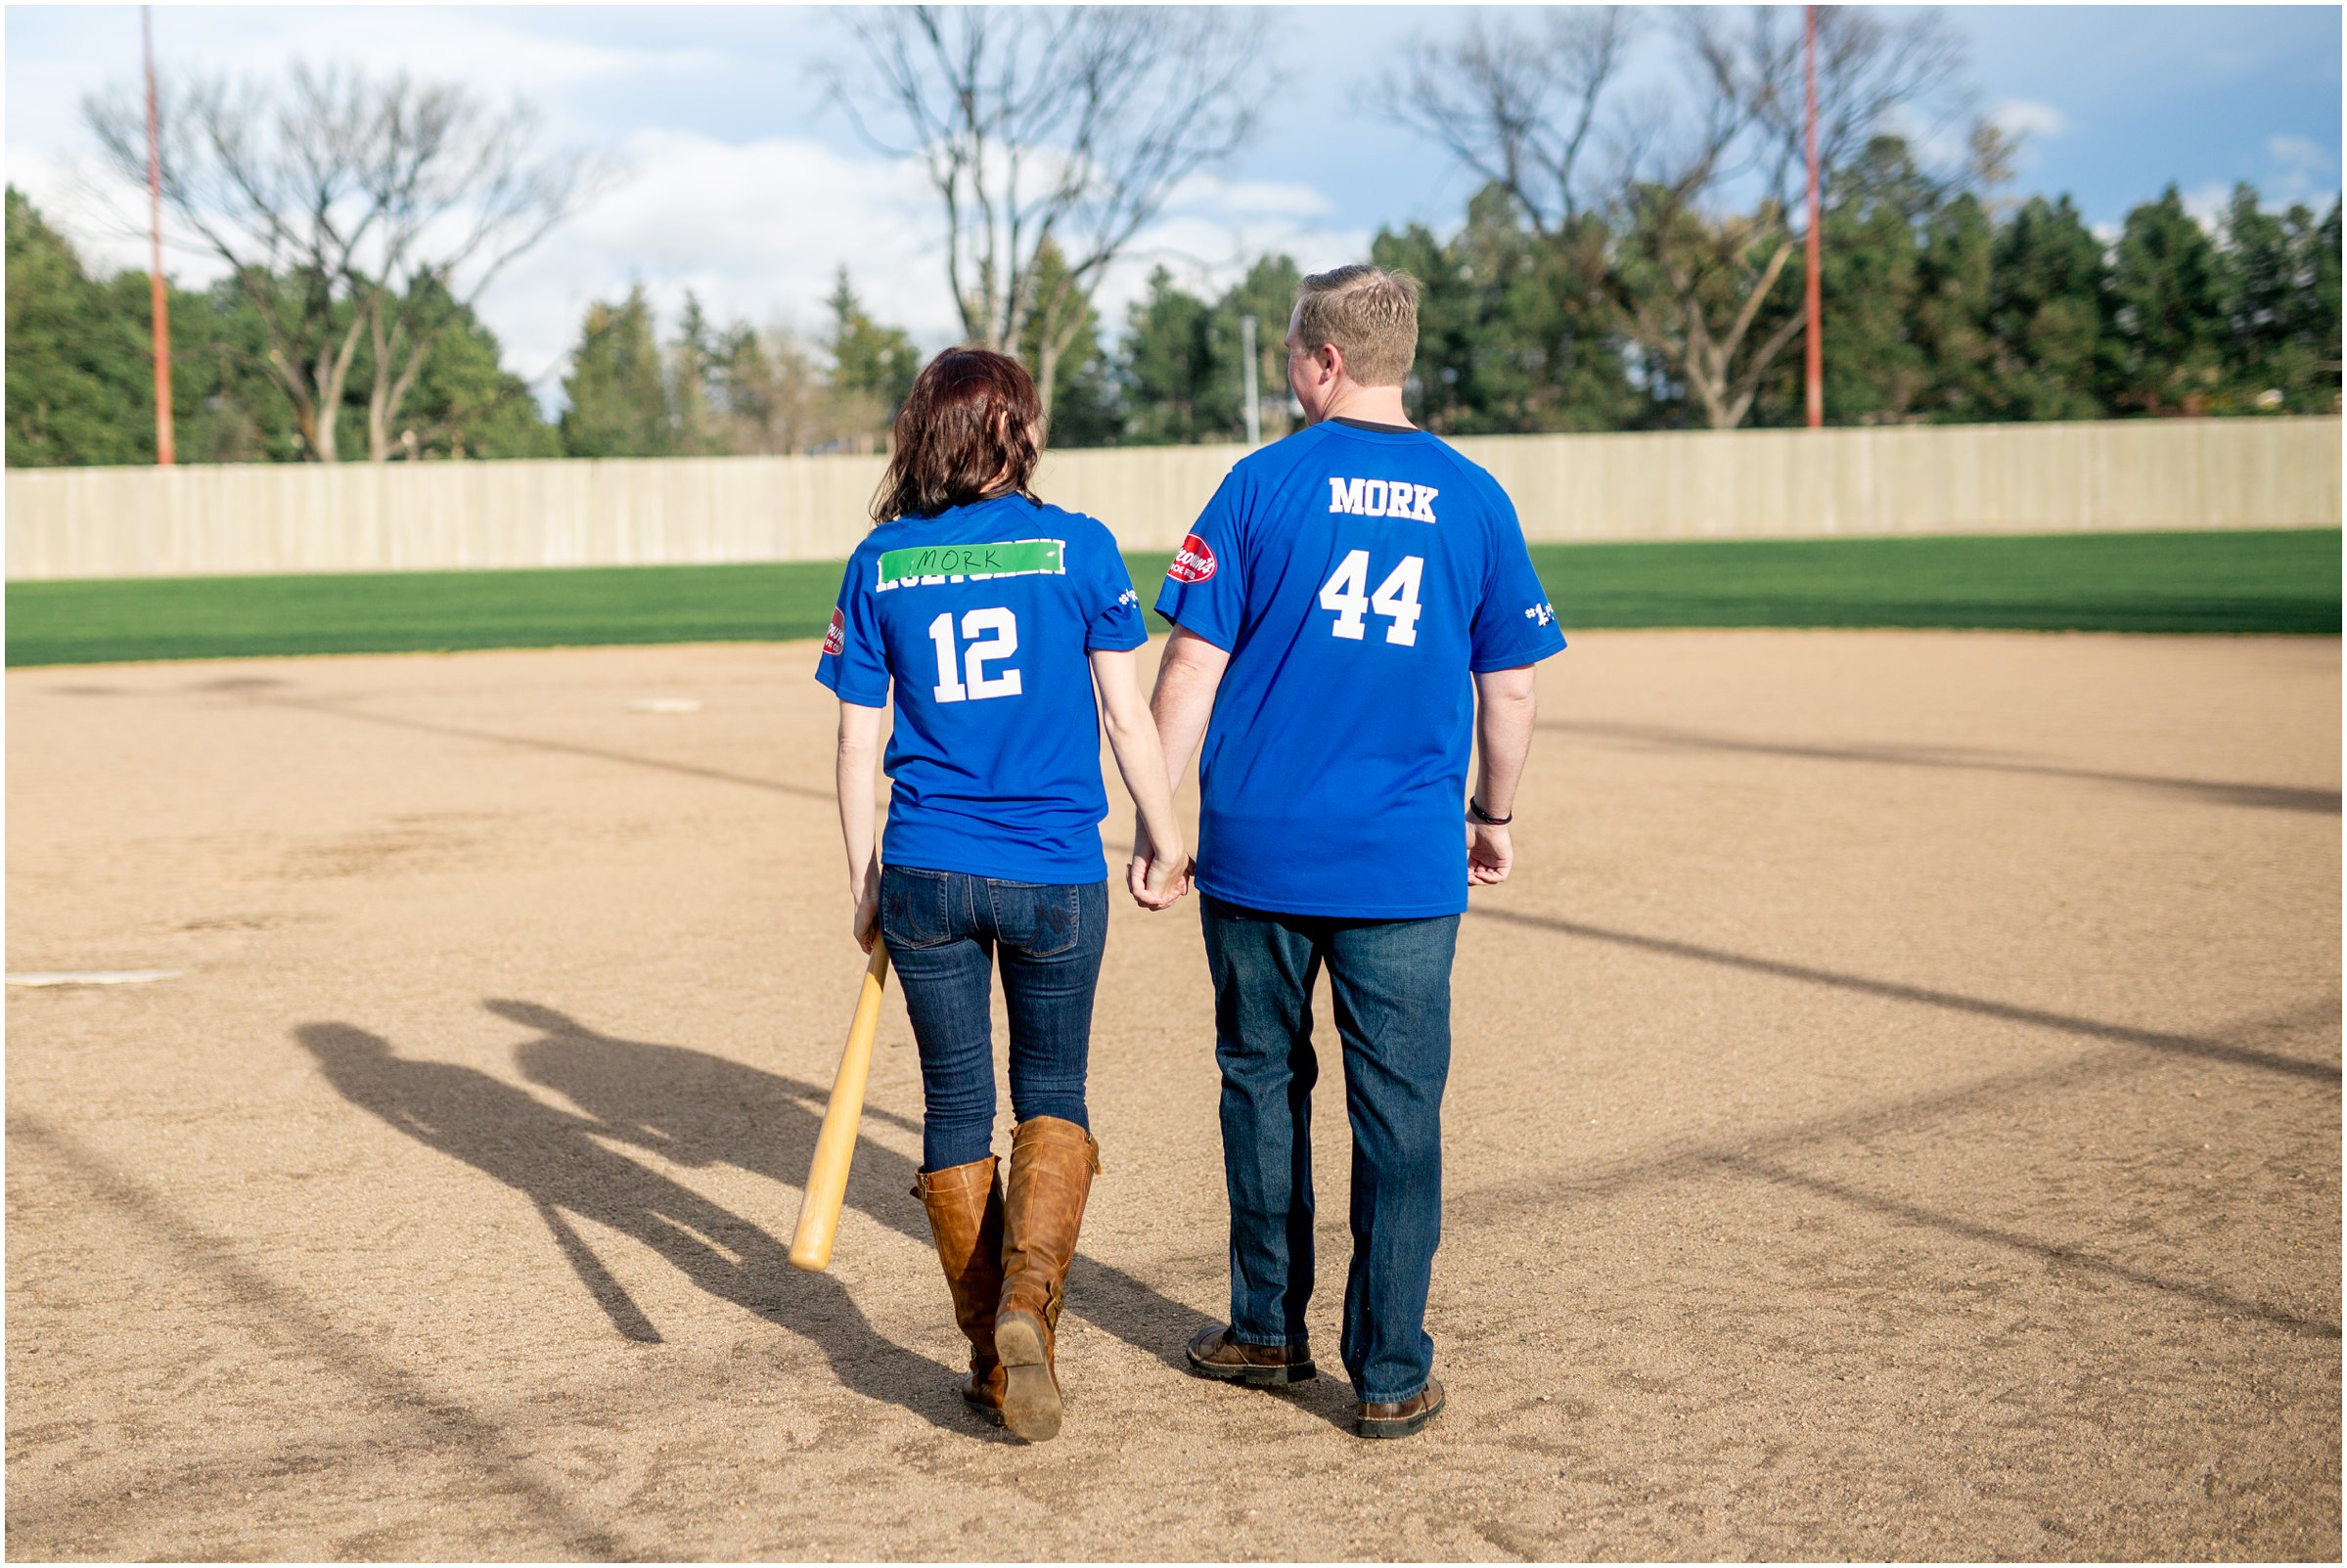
(1353, 601)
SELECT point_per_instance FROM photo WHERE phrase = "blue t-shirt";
(1356, 578)
(983, 616)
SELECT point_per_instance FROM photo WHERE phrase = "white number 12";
(1001, 646)
(1396, 598)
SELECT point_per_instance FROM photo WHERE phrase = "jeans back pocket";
(915, 908)
(1041, 920)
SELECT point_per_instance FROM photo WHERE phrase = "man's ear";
(1331, 359)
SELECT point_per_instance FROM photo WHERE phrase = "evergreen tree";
(1268, 294)
(1952, 335)
(2169, 287)
(617, 394)
(2282, 338)
(1172, 389)
(2048, 315)
(696, 410)
(867, 358)
(1083, 409)
(1871, 288)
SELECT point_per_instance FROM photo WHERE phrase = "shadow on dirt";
(693, 1109)
(2210, 791)
(2321, 1072)
(256, 689)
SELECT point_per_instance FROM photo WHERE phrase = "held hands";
(1489, 853)
(1157, 881)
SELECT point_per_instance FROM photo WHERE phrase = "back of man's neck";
(1370, 405)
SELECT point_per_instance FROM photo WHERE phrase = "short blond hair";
(1370, 314)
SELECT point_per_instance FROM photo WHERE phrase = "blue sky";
(742, 183)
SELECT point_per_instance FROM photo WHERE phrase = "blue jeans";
(943, 930)
(1390, 981)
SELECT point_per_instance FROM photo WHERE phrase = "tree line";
(1629, 261)
(1938, 308)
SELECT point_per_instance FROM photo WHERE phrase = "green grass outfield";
(2278, 580)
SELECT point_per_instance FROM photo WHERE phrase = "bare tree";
(352, 210)
(1520, 105)
(1051, 128)
(1692, 275)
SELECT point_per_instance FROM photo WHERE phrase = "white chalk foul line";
(92, 976)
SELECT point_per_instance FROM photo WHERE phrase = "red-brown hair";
(967, 433)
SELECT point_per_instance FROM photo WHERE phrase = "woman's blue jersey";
(1358, 579)
(982, 616)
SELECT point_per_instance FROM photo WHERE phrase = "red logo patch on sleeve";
(837, 638)
(1194, 562)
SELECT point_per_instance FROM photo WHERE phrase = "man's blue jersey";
(1356, 578)
(983, 616)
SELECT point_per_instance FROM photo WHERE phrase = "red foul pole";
(1816, 337)
(163, 445)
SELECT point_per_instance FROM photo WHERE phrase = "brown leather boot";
(1052, 1165)
(966, 1216)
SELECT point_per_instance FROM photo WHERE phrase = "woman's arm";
(858, 765)
(1161, 870)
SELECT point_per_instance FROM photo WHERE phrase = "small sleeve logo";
(1539, 614)
(1194, 562)
(837, 638)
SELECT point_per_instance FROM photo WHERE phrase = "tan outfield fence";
(1743, 484)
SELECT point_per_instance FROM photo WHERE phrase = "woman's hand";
(859, 755)
(865, 924)
(1156, 879)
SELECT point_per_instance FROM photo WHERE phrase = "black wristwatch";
(1476, 810)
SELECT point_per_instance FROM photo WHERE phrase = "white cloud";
(2309, 173)
(2296, 152)
(736, 184)
(2206, 203)
(2025, 116)
(756, 230)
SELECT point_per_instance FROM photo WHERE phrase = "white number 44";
(1396, 599)
(1001, 646)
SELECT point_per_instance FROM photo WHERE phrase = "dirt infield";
(1895, 1113)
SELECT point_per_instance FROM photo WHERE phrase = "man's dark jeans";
(1390, 981)
(943, 930)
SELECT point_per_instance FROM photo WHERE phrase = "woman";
(996, 619)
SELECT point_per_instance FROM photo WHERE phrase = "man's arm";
(1188, 677)
(1504, 709)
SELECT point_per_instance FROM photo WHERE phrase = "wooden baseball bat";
(836, 1144)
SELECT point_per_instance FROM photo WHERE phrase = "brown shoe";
(966, 1216)
(1215, 1353)
(1052, 1165)
(1402, 1418)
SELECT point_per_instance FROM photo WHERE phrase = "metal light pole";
(1817, 342)
(1254, 403)
(165, 453)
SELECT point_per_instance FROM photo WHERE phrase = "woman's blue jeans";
(944, 931)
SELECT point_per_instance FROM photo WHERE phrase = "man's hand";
(1489, 854)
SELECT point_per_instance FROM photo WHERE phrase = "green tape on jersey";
(1017, 557)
